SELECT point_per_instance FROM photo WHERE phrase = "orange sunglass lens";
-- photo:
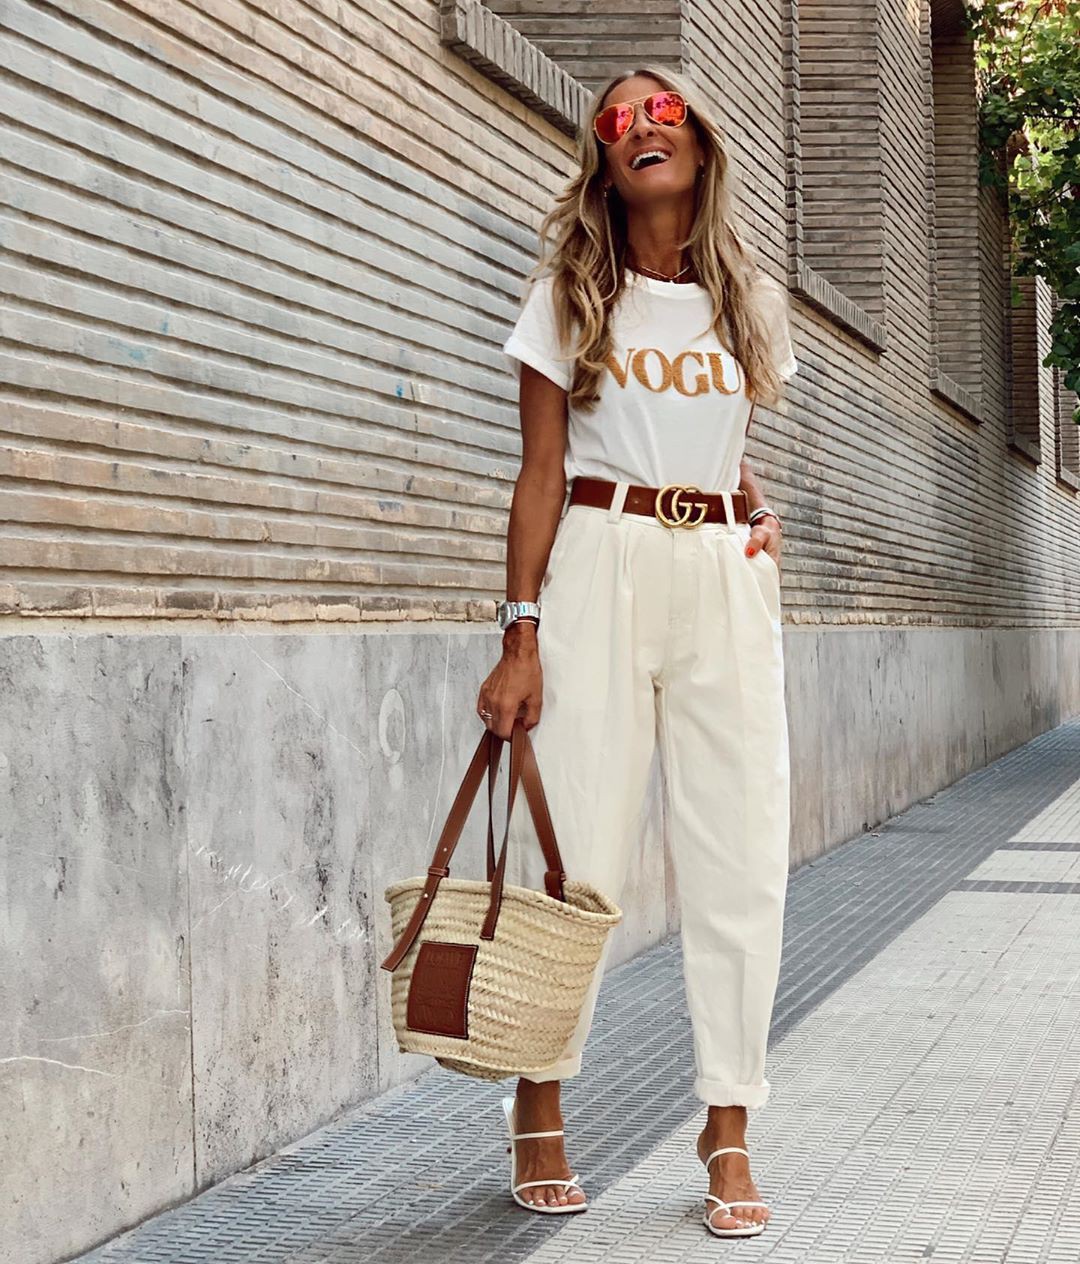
(666, 107)
(612, 122)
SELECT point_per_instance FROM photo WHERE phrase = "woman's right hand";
(516, 683)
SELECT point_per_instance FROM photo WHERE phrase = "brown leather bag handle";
(518, 739)
(538, 806)
(525, 769)
(494, 756)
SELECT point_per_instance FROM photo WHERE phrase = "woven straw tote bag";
(489, 978)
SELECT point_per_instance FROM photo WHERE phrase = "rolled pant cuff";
(561, 1070)
(722, 1093)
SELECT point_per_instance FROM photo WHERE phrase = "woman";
(640, 348)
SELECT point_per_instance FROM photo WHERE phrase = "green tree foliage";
(1028, 64)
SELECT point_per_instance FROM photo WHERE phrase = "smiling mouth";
(648, 158)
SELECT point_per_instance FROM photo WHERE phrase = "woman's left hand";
(765, 534)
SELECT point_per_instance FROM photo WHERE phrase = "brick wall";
(260, 260)
(594, 41)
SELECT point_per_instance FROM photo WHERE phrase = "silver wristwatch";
(510, 611)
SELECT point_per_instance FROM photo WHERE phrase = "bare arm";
(540, 488)
(515, 686)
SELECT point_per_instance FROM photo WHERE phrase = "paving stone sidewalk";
(924, 1059)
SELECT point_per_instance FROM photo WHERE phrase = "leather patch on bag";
(439, 989)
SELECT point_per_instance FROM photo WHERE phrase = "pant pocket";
(771, 561)
(767, 576)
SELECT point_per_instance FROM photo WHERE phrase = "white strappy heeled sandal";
(515, 1185)
(745, 1231)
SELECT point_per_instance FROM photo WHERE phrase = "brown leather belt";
(675, 504)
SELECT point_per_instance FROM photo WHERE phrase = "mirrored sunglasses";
(614, 121)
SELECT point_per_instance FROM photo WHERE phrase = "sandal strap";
(745, 1202)
(560, 1181)
(725, 1150)
(715, 1199)
(517, 1136)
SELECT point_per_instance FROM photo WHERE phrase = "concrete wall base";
(198, 827)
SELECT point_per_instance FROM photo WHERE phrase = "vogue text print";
(672, 404)
(689, 372)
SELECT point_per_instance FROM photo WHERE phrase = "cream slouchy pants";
(651, 633)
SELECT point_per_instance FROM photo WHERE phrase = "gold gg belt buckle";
(679, 507)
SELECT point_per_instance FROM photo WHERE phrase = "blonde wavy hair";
(583, 246)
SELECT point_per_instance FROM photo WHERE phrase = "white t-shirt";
(673, 406)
